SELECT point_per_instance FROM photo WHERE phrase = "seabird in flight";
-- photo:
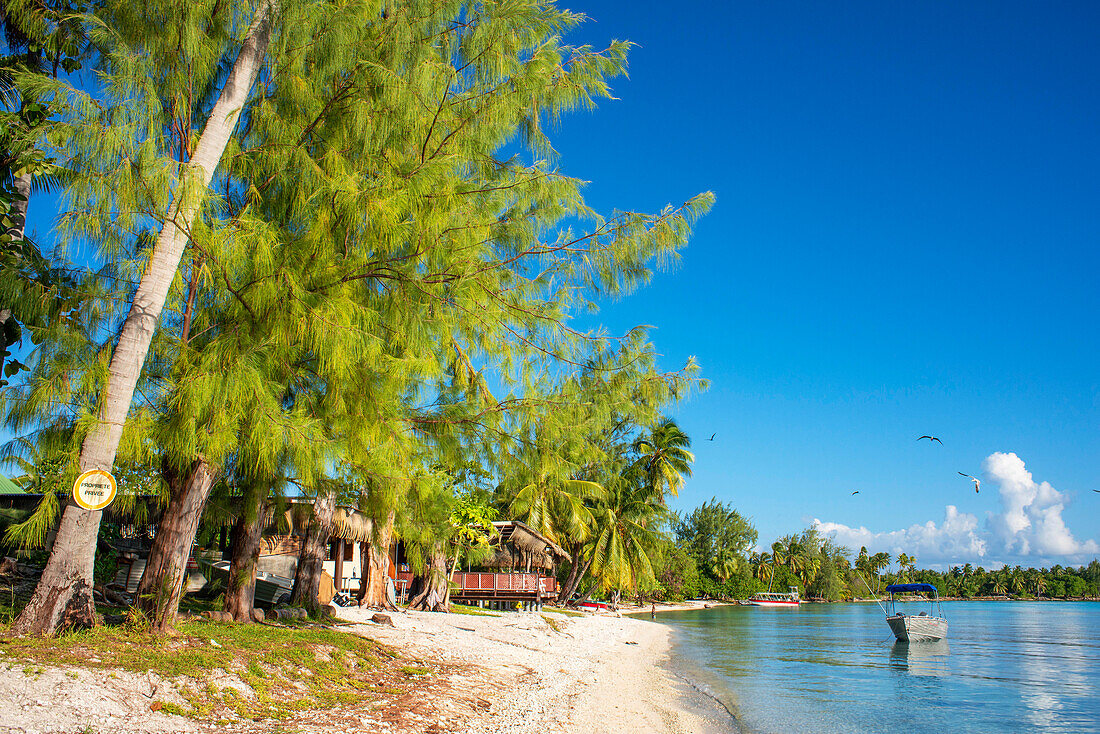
(977, 482)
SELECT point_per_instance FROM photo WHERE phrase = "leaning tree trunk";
(307, 577)
(451, 575)
(576, 573)
(433, 595)
(244, 552)
(375, 565)
(63, 596)
(158, 594)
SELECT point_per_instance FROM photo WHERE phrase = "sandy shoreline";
(557, 674)
(537, 673)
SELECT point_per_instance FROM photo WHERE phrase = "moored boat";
(776, 598)
(930, 625)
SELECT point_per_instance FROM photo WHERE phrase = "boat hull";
(910, 628)
(755, 603)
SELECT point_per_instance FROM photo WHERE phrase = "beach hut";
(521, 571)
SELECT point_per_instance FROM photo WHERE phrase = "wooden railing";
(511, 583)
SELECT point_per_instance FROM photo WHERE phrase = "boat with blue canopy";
(930, 625)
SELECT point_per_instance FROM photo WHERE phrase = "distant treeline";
(707, 554)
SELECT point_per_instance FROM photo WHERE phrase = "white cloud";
(1028, 529)
(956, 537)
(1031, 522)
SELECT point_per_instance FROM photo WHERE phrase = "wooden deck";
(475, 586)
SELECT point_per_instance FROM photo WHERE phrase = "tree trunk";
(573, 576)
(17, 215)
(577, 570)
(17, 212)
(433, 597)
(307, 577)
(338, 566)
(375, 565)
(158, 594)
(451, 575)
(588, 594)
(63, 595)
(244, 551)
(364, 569)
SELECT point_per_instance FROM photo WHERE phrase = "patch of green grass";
(471, 610)
(11, 602)
(566, 612)
(554, 624)
(415, 670)
(284, 669)
(194, 605)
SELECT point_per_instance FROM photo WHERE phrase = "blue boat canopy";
(927, 588)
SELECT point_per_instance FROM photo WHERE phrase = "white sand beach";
(543, 673)
(549, 673)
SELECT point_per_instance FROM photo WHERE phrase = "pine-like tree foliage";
(385, 267)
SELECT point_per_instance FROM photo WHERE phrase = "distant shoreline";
(635, 610)
(959, 599)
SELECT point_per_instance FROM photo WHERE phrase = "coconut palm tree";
(876, 563)
(811, 567)
(905, 564)
(726, 564)
(61, 595)
(796, 557)
(559, 508)
(779, 554)
(664, 458)
(623, 538)
(762, 567)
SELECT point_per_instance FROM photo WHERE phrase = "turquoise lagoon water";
(1005, 667)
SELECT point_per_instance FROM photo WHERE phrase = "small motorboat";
(776, 598)
(930, 625)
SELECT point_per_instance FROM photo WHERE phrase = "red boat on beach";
(594, 606)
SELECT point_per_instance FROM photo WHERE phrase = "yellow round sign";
(94, 489)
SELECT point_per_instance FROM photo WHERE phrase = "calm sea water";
(1005, 667)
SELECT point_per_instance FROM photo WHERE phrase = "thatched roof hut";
(522, 545)
(351, 525)
(527, 539)
(517, 544)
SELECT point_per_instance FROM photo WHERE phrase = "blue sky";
(904, 242)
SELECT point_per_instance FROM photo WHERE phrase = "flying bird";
(931, 439)
(712, 436)
(857, 492)
(1097, 491)
(977, 482)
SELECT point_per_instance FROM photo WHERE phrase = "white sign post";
(95, 489)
